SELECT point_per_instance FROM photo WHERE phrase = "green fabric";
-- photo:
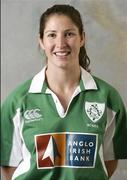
(76, 121)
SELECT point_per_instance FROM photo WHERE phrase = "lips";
(62, 53)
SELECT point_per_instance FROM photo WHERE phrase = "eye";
(52, 35)
(69, 34)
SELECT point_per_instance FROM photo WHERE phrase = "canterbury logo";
(32, 114)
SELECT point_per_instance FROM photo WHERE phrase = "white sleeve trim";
(109, 133)
(16, 154)
(20, 156)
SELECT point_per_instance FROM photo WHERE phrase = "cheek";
(47, 47)
(76, 46)
(75, 43)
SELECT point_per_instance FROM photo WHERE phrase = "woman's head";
(75, 17)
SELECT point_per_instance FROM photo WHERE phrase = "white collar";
(88, 80)
(37, 84)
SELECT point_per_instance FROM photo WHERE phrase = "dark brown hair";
(75, 16)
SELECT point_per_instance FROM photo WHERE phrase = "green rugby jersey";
(46, 143)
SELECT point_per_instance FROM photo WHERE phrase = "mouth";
(62, 53)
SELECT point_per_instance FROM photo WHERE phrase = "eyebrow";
(50, 31)
(56, 30)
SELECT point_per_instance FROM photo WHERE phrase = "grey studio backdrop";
(106, 43)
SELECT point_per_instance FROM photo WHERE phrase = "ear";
(83, 39)
(40, 42)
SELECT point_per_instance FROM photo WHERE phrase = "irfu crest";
(94, 110)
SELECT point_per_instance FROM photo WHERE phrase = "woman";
(64, 123)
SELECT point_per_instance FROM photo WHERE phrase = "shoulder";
(105, 86)
(17, 94)
(113, 97)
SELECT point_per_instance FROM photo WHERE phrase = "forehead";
(59, 21)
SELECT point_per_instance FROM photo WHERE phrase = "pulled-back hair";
(75, 16)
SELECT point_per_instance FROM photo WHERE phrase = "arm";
(8, 172)
(111, 166)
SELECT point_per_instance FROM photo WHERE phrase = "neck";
(62, 79)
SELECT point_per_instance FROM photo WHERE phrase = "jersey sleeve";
(115, 140)
(10, 136)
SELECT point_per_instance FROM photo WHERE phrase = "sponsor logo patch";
(94, 110)
(32, 115)
(66, 150)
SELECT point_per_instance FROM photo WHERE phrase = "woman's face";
(61, 42)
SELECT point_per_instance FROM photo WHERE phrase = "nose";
(61, 41)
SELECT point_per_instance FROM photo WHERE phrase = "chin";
(62, 65)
